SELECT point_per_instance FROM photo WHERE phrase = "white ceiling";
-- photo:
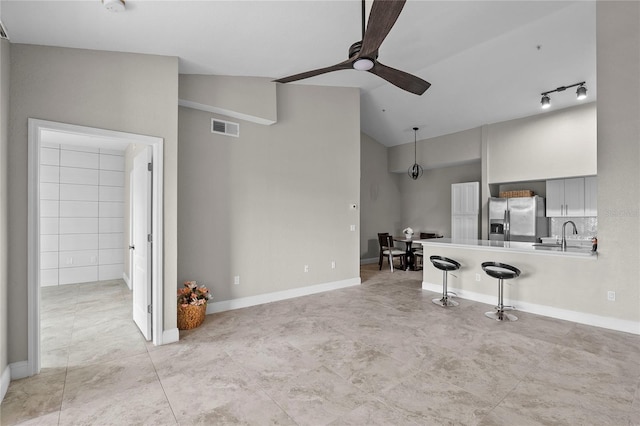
(487, 61)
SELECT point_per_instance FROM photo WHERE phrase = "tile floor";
(376, 354)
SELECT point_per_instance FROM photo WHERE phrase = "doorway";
(38, 131)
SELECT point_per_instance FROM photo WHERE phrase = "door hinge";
(150, 167)
(149, 238)
(150, 309)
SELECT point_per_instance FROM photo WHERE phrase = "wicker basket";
(191, 316)
(517, 193)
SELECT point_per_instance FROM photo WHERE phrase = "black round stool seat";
(444, 263)
(500, 270)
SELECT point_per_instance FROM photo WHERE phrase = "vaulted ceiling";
(487, 61)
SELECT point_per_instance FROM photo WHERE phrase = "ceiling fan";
(363, 55)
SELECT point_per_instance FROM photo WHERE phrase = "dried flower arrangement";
(191, 294)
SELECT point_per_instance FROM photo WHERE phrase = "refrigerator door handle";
(507, 225)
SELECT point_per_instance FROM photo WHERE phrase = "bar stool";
(445, 265)
(501, 271)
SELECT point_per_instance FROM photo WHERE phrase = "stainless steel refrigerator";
(517, 219)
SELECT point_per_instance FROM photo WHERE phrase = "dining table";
(409, 258)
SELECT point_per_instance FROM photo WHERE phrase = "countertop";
(514, 246)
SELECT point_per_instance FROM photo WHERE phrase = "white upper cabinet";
(574, 197)
(591, 196)
(465, 198)
(465, 205)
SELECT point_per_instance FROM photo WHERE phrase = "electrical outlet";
(611, 296)
(333, 264)
(236, 280)
(352, 228)
(477, 277)
(306, 268)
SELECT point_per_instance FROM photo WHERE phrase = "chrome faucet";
(563, 245)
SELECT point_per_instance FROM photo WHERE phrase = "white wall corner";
(126, 280)
(245, 302)
(19, 370)
(170, 336)
(5, 379)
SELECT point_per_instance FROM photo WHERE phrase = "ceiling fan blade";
(341, 66)
(384, 13)
(401, 79)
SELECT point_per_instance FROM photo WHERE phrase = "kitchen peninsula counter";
(551, 283)
(511, 246)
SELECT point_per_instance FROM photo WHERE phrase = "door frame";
(36, 127)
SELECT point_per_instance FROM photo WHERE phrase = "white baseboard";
(19, 370)
(5, 379)
(244, 302)
(547, 311)
(170, 336)
(126, 280)
(369, 261)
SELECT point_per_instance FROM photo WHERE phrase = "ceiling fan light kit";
(363, 55)
(114, 5)
(581, 93)
(363, 64)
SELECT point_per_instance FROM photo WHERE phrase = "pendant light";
(416, 170)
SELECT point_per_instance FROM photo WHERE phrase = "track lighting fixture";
(416, 170)
(581, 93)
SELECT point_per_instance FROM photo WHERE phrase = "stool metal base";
(501, 316)
(445, 301)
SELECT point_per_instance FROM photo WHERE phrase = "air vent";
(3, 32)
(225, 128)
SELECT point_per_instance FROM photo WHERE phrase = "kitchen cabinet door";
(566, 197)
(591, 196)
(574, 197)
(465, 198)
(464, 227)
(555, 198)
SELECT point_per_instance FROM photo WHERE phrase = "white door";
(141, 231)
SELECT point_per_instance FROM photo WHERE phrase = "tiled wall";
(587, 227)
(81, 214)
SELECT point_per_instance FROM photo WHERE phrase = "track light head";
(581, 93)
(546, 101)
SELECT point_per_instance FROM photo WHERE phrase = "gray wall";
(392, 201)
(618, 47)
(4, 138)
(442, 151)
(277, 198)
(426, 202)
(380, 196)
(115, 91)
(551, 145)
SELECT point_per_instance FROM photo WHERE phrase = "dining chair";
(388, 250)
(418, 252)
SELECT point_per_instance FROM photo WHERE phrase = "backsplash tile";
(587, 227)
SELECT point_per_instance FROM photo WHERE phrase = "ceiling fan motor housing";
(355, 49)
